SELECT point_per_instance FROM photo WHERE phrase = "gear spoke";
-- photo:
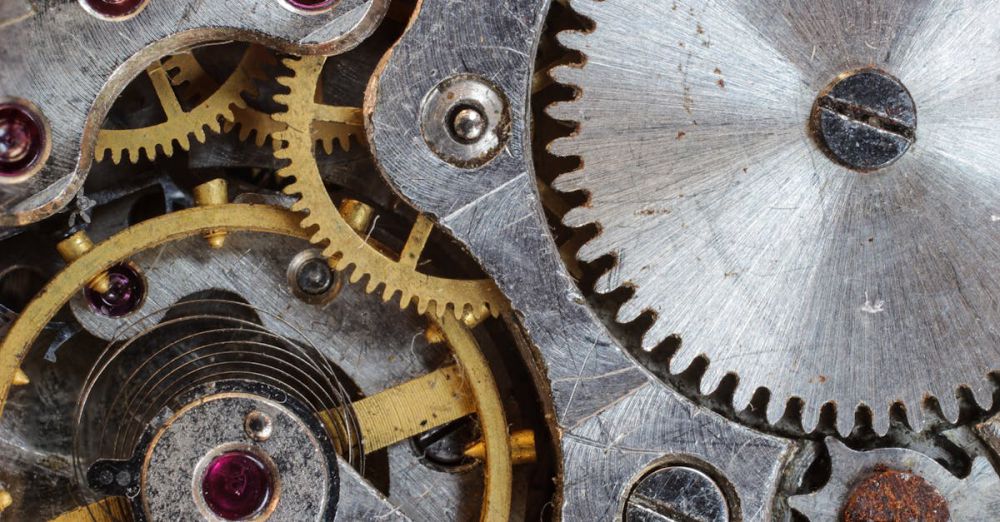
(413, 407)
(341, 242)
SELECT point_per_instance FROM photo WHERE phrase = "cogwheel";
(330, 228)
(225, 104)
(921, 489)
(757, 173)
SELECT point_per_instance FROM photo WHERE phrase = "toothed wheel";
(304, 119)
(222, 108)
(804, 194)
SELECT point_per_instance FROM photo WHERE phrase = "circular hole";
(126, 291)
(237, 485)
(114, 9)
(22, 139)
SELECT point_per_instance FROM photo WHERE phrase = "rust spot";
(681, 134)
(718, 71)
(721, 83)
(894, 496)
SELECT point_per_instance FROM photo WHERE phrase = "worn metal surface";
(307, 481)
(676, 494)
(254, 267)
(614, 418)
(894, 495)
(360, 501)
(970, 498)
(751, 246)
(465, 121)
(73, 65)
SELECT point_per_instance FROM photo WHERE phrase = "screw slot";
(866, 120)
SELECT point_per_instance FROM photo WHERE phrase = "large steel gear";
(395, 275)
(804, 193)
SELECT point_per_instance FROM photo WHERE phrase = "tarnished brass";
(435, 295)
(215, 192)
(74, 247)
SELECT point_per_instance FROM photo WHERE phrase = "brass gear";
(224, 104)
(332, 231)
(386, 418)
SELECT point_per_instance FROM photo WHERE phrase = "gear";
(384, 418)
(898, 484)
(757, 172)
(222, 110)
(340, 241)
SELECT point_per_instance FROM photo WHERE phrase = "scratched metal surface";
(754, 248)
(253, 266)
(72, 65)
(614, 418)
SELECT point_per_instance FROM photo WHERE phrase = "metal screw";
(674, 494)
(312, 278)
(468, 124)
(258, 426)
(895, 495)
(315, 277)
(466, 121)
(866, 121)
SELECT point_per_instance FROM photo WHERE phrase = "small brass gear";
(329, 228)
(220, 111)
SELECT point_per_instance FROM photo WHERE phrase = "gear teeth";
(581, 144)
(355, 257)
(880, 421)
(742, 396)
(845, 420)
(210, 116)
(776, 409)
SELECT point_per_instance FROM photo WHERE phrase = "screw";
(258, 426)
(466, 121)
(468, 124)
(312, 278)
(114, 9)
(895, 495)
(22, 140)
(866, 121)
(676, 493)
(315, 277)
